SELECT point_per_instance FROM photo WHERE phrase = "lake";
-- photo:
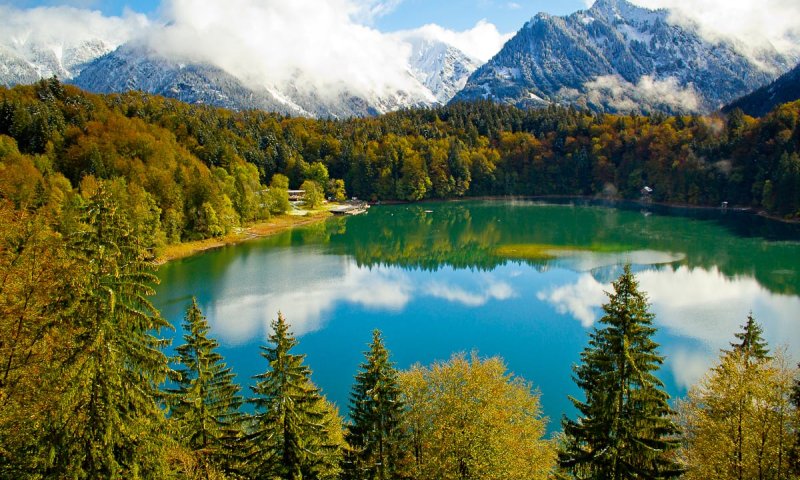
(523, 280)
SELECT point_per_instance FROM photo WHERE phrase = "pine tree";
(109, 411)
(624, 430)
(751, 341)
(296, 433)
(376, 437)
(206, 400)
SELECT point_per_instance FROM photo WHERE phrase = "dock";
(351, 207)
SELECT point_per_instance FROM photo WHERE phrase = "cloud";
(249, 305)
(317, 47)
(649, 92)
(481, 42)
(63, 27)
(369, 10)
(580, 299)
(492, 291)
(753, 24)
(702, 307)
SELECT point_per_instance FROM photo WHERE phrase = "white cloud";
(319, 284)
(689, 366)
(66, 26)
(704, 307)
(493, 290)
(752, 23)
(615, 91)
(580, 299)
(318, 47)
(368, 10)
(480, 42)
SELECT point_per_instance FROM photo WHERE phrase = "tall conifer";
(624, 430)
(109, 412)
(206, 400)
(376, 437)
(294, 432)
(751, 342)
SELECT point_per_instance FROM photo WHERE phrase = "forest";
(92, 186)
(188, 172)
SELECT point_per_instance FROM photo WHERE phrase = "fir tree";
(624, 430)
(109, 410)
(751, 342)
(206, 401)
(295, 430)
(376, 437)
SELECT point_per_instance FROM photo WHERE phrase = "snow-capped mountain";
(137, 67)
(785, 89)
(616, 56)
(442, 68)
(435, 73)
(29, 61)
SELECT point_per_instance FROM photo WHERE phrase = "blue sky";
(507, 15)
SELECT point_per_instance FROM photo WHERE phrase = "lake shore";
(272, 226)
(594, 198)
(285, 222)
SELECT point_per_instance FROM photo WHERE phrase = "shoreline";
(282, 223)
(273, 226)
(687, 206)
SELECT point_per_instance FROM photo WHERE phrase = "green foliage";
(107, 419)
(277, 196)
(206, 401)
(314, 195)
(751, 344)
(624, 430)
(295, 433)
(471, 418)
(378, 444)
(187, 155)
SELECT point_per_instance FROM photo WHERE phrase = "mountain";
(757, 104)
(616, 56)
(137, 67)
(27, 62)
(442, 68)
(436, 72)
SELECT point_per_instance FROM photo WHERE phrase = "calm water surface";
(520, 279)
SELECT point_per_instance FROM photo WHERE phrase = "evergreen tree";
(624, 430)
(206, 401)
(376, 437)
(751, 342)
(106, 423)
(296, 434)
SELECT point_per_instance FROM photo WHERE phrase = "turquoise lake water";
(523, 280)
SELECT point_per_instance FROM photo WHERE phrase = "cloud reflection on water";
(321, 282)
(697, 304)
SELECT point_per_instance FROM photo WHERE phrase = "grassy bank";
(262, 229)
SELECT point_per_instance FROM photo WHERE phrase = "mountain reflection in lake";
(522, 280)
